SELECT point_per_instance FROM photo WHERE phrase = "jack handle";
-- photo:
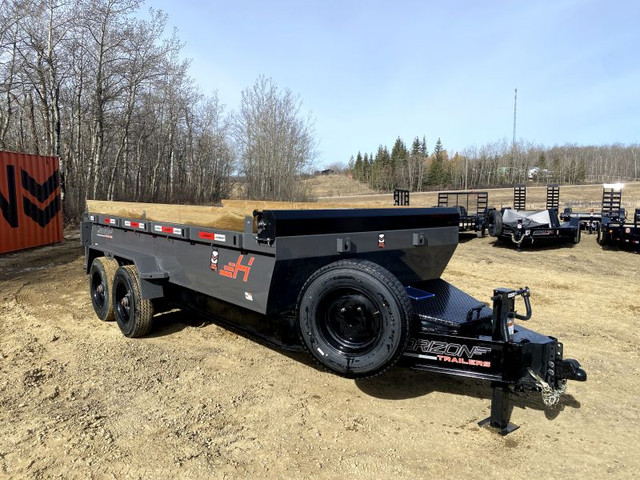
(525, 293)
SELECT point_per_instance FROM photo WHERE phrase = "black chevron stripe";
(40, 191)
(9, 207)
(42, 216)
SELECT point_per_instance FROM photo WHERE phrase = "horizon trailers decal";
(467, 355)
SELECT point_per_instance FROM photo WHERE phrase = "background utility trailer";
(472, 207)
(611, 207)
(359, 289)
(529, 226)
(619, 231)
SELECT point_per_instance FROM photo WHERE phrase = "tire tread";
(109, 267)
(143, 311)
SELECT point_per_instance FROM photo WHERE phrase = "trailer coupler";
(570, 369)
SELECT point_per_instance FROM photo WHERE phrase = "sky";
(371, 71)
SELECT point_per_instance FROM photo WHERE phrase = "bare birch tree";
(275, 140)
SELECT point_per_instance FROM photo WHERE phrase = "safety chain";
(550, 396)
(517, 242)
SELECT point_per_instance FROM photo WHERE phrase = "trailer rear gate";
(30, 201)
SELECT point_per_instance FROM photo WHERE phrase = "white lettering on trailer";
(248, 296)
(445, 348)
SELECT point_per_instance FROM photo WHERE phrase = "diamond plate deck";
(449, 310)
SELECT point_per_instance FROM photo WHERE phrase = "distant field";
(335, 186)
(576, 196)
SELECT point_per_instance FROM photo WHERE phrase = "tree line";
(412, 169)
(107, 91)
(493, 165)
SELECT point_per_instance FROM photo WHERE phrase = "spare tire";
(494, 223)
(354, 318)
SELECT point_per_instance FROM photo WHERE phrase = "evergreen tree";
(399, 151)
(542, 161)
(542, 166)
(436, 167)
(366, 168)
(358, 170)
(381, 169)
(415, 146)
(423, 147)
(399, 157)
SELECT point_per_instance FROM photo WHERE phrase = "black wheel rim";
(350, 321)
(124, 305)
(98, 290)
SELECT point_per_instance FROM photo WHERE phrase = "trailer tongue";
(359, 289)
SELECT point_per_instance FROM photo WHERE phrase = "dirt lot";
(193, 400)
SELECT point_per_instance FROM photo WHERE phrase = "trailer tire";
(101, 275)
(354, 318)
(576, 238)
(133, 313)
(494, 226)
(601, 236)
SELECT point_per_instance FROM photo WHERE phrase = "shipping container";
(30, 201)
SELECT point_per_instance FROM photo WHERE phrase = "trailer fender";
(152, 279)
(574, 222)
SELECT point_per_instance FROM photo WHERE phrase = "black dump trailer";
(359, 289)
(472, 208)
(522, 226)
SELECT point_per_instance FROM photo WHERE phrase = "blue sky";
(370, 71)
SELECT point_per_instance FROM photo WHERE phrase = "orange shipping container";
(30, 201)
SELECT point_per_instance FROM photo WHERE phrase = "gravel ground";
(193, 400)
